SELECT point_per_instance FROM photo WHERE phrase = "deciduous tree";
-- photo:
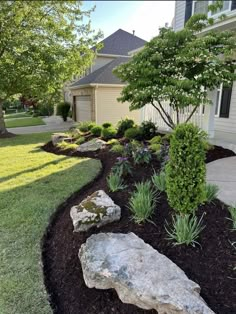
(42, 43)
(179, 68)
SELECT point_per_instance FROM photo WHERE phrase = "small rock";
(139, 274)
(97, 209)
(60, 137)
(91, 146)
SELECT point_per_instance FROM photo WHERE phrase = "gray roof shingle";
(120, 43)
(103, 75)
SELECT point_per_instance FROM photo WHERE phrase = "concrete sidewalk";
(222, 172)
(53, 124)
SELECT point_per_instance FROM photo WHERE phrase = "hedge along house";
(219, 120)
(95, 95)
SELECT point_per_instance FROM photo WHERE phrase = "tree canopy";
(42, 44)
(179, 68)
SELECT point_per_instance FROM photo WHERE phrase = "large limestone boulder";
(97, 209)
(140, 275)
(91, 146)
(60, 137)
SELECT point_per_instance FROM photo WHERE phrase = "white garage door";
(83, 108)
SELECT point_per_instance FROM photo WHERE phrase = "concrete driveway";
(53, 124)
(222, 172)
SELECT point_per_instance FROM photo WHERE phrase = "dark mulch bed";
(210, 265)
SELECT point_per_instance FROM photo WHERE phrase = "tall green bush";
(186, 170)
(63, 110)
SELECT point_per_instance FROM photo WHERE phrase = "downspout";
(95, 104)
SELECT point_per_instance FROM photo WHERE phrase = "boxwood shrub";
(133, 134)
(108, 133)
(186, 169)
(96, 130)
(124, 125)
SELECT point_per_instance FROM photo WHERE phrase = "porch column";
(209, 115)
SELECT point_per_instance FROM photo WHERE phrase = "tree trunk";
(3, 129)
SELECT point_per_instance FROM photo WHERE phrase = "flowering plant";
(142, 155)
(122, 166)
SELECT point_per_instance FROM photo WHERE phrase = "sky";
(145, 17)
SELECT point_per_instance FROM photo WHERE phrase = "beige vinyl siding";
(179, 14)
(100, 62)
(109, 109)
(226, 127)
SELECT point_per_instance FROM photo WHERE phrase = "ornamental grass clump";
(211, 192)
(232, 211)
(185, 230)
(186, 169)
(142, 202)
(159, 181)
(115, 182)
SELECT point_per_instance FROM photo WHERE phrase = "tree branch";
(164, 119)
(166, 114)
(192, 113)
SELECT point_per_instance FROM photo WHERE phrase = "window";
(223, 99)
(200, 6)
(225, 8)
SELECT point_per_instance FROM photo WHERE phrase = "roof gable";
(103, 75)
(120, 43)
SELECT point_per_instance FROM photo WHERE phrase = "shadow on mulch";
(210, 265)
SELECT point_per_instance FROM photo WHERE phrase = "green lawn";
(16, 115)
(30, 121)
(32, 184)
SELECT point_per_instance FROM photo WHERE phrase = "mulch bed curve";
(211, 264)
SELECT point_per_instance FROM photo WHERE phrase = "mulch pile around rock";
(211, 264)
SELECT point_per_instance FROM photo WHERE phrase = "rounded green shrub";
(155, 140)
(118, 149)
(63, 110)
(155, 147)
(124, 125)
(186, 169)
(133, 134)
(85, 126)
(108, 133)
(96, 130)
(106, 125)
(148, 129)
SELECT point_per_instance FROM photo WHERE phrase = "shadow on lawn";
(23, 225)
(54, 162)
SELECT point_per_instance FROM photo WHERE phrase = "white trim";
(135, 50)
(111, 56)
(220, 89)
(97, 85)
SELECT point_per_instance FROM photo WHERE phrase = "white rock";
(140, 275)
(97, 209)
(93, 145)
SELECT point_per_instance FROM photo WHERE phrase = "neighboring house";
(218, 120)
(94, 97)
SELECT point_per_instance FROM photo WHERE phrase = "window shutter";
(233, 7)
(188, 10)
(225, 102)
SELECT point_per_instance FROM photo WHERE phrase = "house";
(219, 120)
(94, 96)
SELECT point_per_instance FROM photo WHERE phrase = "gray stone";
(97, 209)
(91, 146)
(139, 274)
(60, 137)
